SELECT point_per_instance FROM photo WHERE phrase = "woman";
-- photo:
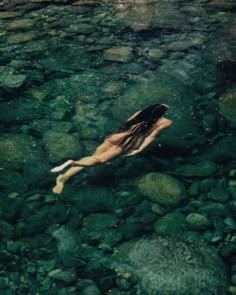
(130, 139)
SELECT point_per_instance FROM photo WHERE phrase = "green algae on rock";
(162, 189)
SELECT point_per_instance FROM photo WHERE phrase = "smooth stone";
(194, 189)
(214, 209)
(36, 46)
(10, 80)
(6, 230)
(233, 279)
(170, 224)
(197, 221)
(119, 54)
(227, 106)
(20, 38)
(82, 28)
(182, 45)
(65, 276)
(61, 146)
(91, 290)
(162, 189)
(218, 195)
(203, 168)
(68, 245)
(155, 54)
(8, 14)
(20, 24)
(207, 184)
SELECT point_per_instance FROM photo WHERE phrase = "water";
(70, 74)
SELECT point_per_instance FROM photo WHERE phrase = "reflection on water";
(70, 73)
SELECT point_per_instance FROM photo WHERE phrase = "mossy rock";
(17, 150)
(162, 189)
(61, 146)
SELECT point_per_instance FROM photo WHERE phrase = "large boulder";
(172, 265)
(162, 189)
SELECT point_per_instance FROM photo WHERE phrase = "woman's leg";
(61, 179)
(85, 162)
(90, 161)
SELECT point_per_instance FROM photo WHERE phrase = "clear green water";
(71, 74)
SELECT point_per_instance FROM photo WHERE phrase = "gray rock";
(172, 265)
(162, 189)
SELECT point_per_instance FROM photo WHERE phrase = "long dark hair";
(141, 124)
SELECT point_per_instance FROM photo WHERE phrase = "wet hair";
(141, 124)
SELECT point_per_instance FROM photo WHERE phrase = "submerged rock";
(61, 146)
(20, 38)
(121, 54)
(18, 149)
(203, 168)
(227, 106)
(172, 265)
(9, 79)
(162, 189)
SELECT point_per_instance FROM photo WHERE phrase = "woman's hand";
(132, 153)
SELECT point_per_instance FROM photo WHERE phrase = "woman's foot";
(62, 167)
(59, 184)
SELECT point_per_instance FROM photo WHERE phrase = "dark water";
(162, 222)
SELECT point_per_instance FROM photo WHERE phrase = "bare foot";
(60, 185)
(61, 167)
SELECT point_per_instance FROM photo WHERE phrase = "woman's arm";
(151, 137)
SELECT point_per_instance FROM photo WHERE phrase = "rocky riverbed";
(162, 222)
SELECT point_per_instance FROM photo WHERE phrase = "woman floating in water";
(130, 139)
